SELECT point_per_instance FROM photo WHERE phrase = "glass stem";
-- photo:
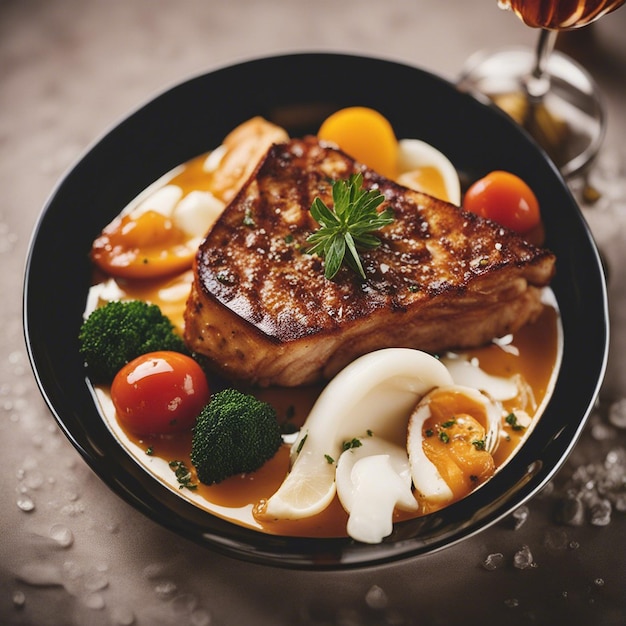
(537, 83)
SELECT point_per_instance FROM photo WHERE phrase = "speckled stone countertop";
(72, 552)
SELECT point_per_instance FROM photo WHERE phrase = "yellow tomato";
(364, 134)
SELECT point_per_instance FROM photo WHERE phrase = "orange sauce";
(535, 360)
(235, 498)
(150, 245)
(193, 175)
(538, 347)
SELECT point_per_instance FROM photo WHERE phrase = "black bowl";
(298, 91)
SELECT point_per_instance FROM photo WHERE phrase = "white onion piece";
(376, 393)
(197, 212)
(469, 374)
(372, 480)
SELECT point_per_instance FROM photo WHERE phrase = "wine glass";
(554, 98)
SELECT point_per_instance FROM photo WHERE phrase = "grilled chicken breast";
(262, 311)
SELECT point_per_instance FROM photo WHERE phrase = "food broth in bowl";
(163, 228)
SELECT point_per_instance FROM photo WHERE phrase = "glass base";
(568, 122)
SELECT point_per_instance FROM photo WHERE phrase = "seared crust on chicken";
(261, 309)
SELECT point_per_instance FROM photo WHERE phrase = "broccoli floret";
(234, 433)
(120, 331)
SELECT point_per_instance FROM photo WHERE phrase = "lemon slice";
(374, 394)
(306, 491)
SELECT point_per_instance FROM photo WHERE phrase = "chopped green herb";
(353, 443)
(449, 423)
(479, 444)
(299, 448)
(149, 450)
(429, 432)
(511, 420)
(444, 437)
(183, 475)
(329, 459)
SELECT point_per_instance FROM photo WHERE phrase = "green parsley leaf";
(299, 448)
(511, 420)
(183, 475)
(355, 442)
(347, 227)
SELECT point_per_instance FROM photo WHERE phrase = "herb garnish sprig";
(348, 226)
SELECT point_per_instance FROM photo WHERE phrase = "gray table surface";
(71, 552)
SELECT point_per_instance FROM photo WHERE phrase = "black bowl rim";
(543, 454)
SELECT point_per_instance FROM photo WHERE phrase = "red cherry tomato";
(159, 393)
(505, 199)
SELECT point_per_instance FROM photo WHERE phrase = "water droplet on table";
(523, 558)
(62, 535)
(376, 598)
(493, 561)
(96, 580)
(601, 513)
(19, 599)
(165, 589)
(520, 515)
(25, 503)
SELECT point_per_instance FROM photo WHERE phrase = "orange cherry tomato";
(159, 393)
(506, 199)
(366, 135)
